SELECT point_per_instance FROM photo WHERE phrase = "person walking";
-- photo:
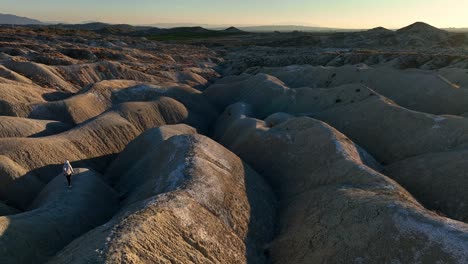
(68, 172)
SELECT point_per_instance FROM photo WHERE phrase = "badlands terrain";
(195, 146)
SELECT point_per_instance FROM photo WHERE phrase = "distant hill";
(417, 35)
(177, 25)
(379, 30)
(233, 30)
(423, 35)
(420, 27)
(85, 26)
(458, 30)
(291, 28)
(250, 28)
(100, 26)
(17, 20)
(187, 33)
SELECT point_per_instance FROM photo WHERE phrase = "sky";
(356, 14)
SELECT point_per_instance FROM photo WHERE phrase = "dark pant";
(68, 179)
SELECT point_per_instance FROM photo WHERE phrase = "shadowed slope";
(23, 127)
(99, 97)
(393, 133)
(58, 216)
(18, 187)
(334, 208)
(369, 119)
(11, 75)
(18, 99)
(85, 74)
(41, 74)
(7, 210)
(136, 152)
(438, 180)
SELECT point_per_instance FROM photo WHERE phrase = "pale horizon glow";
(358, 14)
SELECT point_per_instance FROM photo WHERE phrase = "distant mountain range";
(460, 30)
(17, 20)
(153, 33)
(252, 28)
(9, 19)
(291, 28)
(92, 25)
(416, 35)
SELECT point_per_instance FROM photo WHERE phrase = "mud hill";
(422, 28)
(379, 30)
(241, 148)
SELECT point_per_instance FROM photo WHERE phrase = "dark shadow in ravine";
(56, 96)
(52, 129)
(201, 113)
(262, 223)
(20, 192)
(58, 216)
